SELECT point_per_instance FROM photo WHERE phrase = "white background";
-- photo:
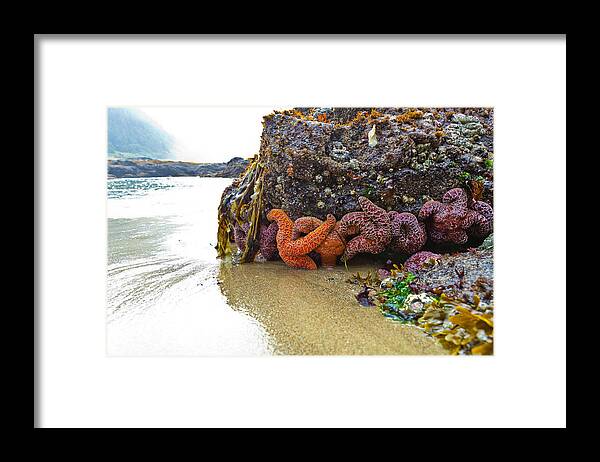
(523, 384)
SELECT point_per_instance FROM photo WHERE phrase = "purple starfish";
(372, 226)
(408, 233)
(449, 220)
(268, 241)
(239, 235)
(416, 261)
(482, 228)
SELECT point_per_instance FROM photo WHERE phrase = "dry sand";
(316, 312)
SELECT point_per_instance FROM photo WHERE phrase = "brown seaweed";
(245, 207)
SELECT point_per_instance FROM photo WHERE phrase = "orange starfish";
(330, 248)
(293, 252)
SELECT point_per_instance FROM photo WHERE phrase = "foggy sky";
(211, 134)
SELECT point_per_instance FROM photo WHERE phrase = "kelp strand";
(245, 207)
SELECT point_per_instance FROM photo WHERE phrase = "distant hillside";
(132, 134)
(146, 168)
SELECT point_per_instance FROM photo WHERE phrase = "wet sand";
(169, 295)
(316, 312)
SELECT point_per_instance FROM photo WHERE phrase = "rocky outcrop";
(144, 168)
(460, 273)
(451, 297)
(314, 162)
(320, 161)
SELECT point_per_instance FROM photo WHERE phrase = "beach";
(169, 295)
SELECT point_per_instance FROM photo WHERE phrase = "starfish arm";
(311, 241)
(394, 223)
(285, 226)
(369, 230)
(351, 223)
(414, 245)
(374, 247)
(430, 208)
(436, 236)
(239, 235)
(484, 219)
(376, 214)
(481, 230)
(456, 196)
(299, 261)
(305, 225)
(470, 219)
(382, 236)
(357, 223)
(360, 244)
(416, 261)
(268, 241)
(354, 246)
(328, 260)
(458, 237)
(484, 209)
(331, 248)
(410, 234)
(423, 234)
(405, 223)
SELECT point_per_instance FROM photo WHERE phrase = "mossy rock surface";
(320, 160)
(317, 167)
(460, 274)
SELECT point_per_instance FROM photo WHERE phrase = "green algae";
(464, 176)
(393, 298)
(462, 325)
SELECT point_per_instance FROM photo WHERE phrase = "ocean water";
(163, 295)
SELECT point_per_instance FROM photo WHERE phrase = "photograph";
(247, 231)
(300, 231)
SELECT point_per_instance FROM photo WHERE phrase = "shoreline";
(158, 168)
(316, 312)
